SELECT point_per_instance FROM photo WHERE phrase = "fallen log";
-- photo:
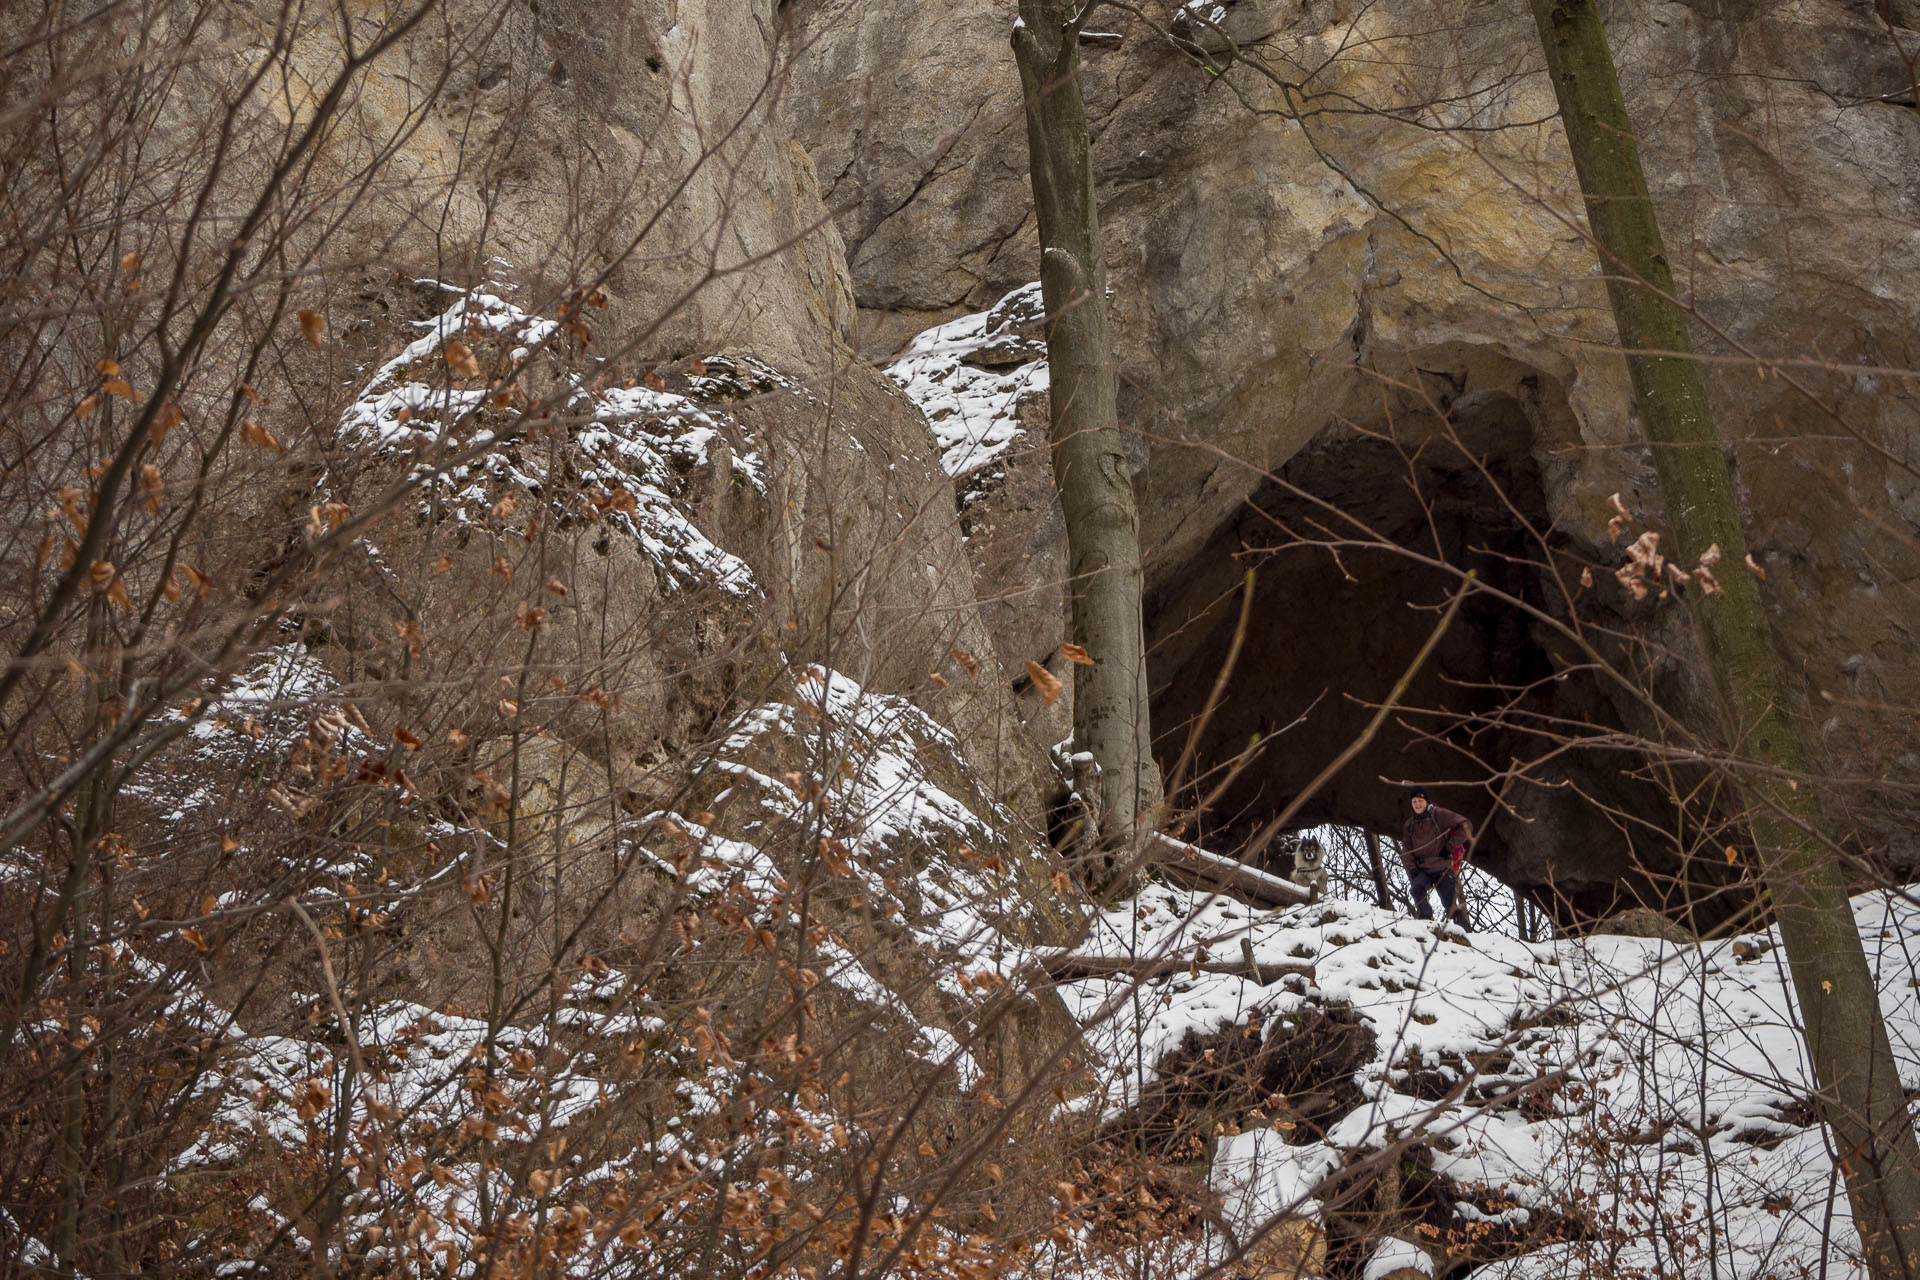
(1065, 965)
(1196, 868)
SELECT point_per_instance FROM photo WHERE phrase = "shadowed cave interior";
(1350, 544)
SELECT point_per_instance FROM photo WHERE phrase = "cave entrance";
(1356, 545)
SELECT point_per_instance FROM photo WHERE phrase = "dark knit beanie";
(1419, 793)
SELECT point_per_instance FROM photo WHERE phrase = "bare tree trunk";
(1089, 464)
(1379, 865)
(1846, 1035)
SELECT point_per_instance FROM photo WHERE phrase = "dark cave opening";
(1356, 546)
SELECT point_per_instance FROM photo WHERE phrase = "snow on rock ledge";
(969, 376)
(452, 399)
(907, 821)
(913, 917)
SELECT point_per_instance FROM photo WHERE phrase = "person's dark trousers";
(1420, 882)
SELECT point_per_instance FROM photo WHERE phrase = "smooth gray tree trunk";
(1090, 466)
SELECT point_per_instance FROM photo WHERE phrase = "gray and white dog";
(1309, 866)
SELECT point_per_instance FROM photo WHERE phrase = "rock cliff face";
(1358, 280)
(571, 354)
(640, 144)
(474, 549)
(644, 150)
(530, 604)
(1364, 276)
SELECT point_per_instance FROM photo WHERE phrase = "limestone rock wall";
(623, 182)
(1378, 240)
(1396, 233)
(640, 144)
(647, 146)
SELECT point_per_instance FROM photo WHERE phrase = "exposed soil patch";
(1295, 1072)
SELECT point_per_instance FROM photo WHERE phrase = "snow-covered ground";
(1648, 1092)
(1608, 1106)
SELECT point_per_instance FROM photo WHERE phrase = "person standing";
(1433, 846)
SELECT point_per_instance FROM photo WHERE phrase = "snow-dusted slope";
(441, 1114)
(1611, 1106)
(1643, 1098)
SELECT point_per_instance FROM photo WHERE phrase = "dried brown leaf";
(1044, 682)
(259, 437)
(165, 421)
(459, 357)
(313, 327)
(202, 585)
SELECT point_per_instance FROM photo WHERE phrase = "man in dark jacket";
(1433, 845)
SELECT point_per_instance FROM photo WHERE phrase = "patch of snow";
(30, 1252)
(638, 441)
(246, 728)
(1259, 1176)
(969, 375)
(869, 789)
(1212, 11)
(1394, 1254)
(284, 678)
